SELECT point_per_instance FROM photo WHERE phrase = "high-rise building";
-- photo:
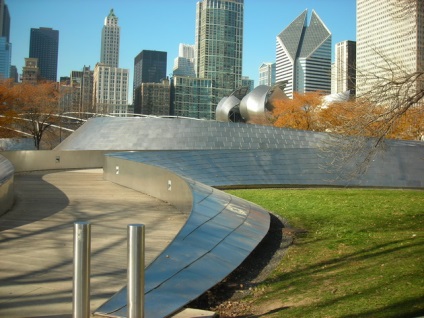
(149, 67)
(219, 45)
(109, 54)
(304, 56)
(110, 90)
(267, 74)
(5, 58)
(184, 64)
(344, 71)
(155, 98)
(44, 45)
(14, 73)
(110, 83)
(247, 82)
(192, 97)
(4, 21)
(388, 34)
(30, 72)
(81, 83)
(5, 45)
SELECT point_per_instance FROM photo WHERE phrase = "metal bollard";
(81, 280)
(135, 275)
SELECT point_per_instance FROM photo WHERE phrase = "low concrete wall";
(157, 182)
(6, 185)
(31, 160)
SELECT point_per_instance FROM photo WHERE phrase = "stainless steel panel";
(204, 252)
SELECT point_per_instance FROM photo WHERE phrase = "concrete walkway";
(36, 239)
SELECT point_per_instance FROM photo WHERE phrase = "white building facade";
(184, 64)
(267, 74)
(110, 41)
(344, 68)
(110, 83)
(110, 90)
(303, 56)
(389, 32)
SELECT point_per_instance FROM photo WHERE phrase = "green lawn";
(362, 256)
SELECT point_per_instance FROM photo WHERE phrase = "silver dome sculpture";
(228, 109)
(251, 107)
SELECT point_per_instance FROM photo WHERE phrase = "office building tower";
(30, 72)
(109, 54)
(81, 83)
(247, 82)
(304, 56)
(4, 21)
(389, 35)
(5, 45)
(184, 64)
(219, 45)
(192, 97)
(344, 72)
(5, 58)
(110, 83)
(110, 90)
(267, 74)
(14, 73)
(149, 67)
(44, 45)
(155, 98)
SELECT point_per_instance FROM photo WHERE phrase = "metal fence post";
(135, 274)
(81, 280)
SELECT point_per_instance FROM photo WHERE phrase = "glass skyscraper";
(44, 45)
(304, 56)
(5, 45)
(219, 44)
(149, 67)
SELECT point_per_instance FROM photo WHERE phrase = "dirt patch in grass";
(225, 298)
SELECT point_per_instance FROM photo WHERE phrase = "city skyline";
(161, 26)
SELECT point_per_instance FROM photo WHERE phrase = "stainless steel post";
(81, 281)
(135, 270)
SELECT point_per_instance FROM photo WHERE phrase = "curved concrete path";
(36, 239)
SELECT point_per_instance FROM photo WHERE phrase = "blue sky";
(162, 25)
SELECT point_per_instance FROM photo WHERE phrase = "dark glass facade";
(44, 45)
(149, 67)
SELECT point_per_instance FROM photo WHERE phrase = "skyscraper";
(5, 45)
(110, 90)
(31, 71)
(388, 33)
(345, 67)
(4, 21)
(267, 74)
(304, 56)
(110, 83)
(149, 67)
(44, 45)
(219, 44)
(185, 62)
(109, 54)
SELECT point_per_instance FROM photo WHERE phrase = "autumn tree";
(7, 114)
(297, 113)
(30, 108)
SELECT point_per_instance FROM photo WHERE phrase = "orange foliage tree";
(298, 113)
(29, 108)
(7, 114)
